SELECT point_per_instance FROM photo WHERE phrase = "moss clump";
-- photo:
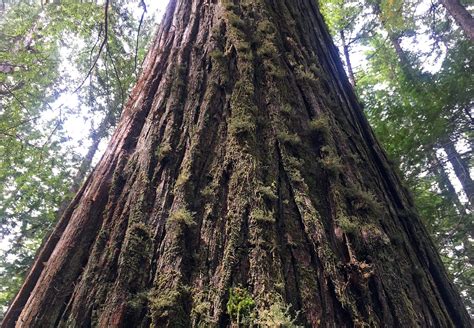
(291, 139)
(348, 224)
(268, 192)
(274, 70)
(241, 125)
(200, 314)
(182, 178)
(163, 151)
(319, 127)
(183, 217)
(207, 191)
(240, 306)
(331, 162)
(267, 49)
(287, 109)
(315, 69)
(278, 315)
(261, 215)
(229, 6)
(217, 55)
(294, 166)
(137, 301)
(235, 21)
(166, 305)
(305, 75)
(373, 236)
(363, 201)
(265, 27)
(137, 252)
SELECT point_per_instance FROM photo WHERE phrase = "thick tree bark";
(461, 15)
(242, 159)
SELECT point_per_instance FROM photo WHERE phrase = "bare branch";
(143, 5)
(106, 23)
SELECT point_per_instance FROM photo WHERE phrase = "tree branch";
(106, 23)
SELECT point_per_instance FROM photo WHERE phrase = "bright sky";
(77, 126)
(156, 5)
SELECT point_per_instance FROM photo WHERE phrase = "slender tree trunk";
(461, 15)
(446, 186)
(461, 169)
(403, 60)
(242, 159)
(402, 57)
(464, 225)
(347, 59)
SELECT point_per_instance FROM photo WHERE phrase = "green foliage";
(166, 303)
(183, 178)
(362, 200)
(348, 224)
(241, 125)
(306, 75)
(278, 315)
(240, 306)
(217, 55)
(41, 165)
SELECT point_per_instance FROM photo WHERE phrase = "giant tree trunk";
(242, 159)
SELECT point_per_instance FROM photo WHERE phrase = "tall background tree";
(243, 185)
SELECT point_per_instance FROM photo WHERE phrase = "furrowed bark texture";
(242, 159)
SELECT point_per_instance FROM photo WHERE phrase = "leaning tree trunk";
(242, 160)
(461, 15)
(347, 57)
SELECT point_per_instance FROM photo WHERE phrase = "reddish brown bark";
(242, 159)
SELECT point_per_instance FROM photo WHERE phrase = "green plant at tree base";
(240, 306)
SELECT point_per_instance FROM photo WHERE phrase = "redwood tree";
(243, 184)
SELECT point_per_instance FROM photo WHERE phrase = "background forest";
(66, 68)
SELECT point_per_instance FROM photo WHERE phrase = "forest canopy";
(67, 68)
